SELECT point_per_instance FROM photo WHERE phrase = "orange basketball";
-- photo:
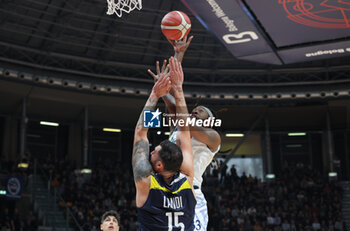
(176, 25)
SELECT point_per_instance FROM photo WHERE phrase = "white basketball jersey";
(202, 157)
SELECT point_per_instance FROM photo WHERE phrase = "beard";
(150, 161)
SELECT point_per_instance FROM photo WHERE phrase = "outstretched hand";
(176, 73)
(180, 46)
(164, 70)
(162, 85)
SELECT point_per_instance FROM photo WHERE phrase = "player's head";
(167, 156)
(110, 221)
(202, 112)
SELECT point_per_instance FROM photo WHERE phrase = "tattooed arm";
(140, 156)
(142, 168)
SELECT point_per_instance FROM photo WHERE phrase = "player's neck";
(168, 177)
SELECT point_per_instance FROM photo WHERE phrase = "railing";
(52, 192)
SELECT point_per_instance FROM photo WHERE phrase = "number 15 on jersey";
(173, 220)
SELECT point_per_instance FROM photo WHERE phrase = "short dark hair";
(171, 156)
(110, 213)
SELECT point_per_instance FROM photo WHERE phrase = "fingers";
(157, 68)
(183, 40)
(166, 69)
(163, 76)
(172, 63)
(189, 40)
(168, 87)
(152, 74)
(162, 86)
(164, 65)
(165, 84)
(175, 64)
(174, 68)
(166, 81)
(163, 80)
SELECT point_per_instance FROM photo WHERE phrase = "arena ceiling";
(74, 37)
(67, 55)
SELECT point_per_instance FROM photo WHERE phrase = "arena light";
(22, 165)
(234, 135)
(2, 192)
(294, 145)
(270, 176)
(159, 132)
(297, 134)
(332, 174)
(167, 133)
(112, 130)
(46, 123)
(86, 171)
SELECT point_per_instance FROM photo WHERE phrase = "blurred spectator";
(11, 218)
(299, 199)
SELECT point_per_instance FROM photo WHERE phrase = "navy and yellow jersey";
(168, 207)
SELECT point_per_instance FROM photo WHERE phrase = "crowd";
(299, 199)
(109, 186)
(16, 216)
(13, 221)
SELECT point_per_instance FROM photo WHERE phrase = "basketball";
(176, 25)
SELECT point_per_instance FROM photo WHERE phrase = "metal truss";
(76, 38)
(111, 70)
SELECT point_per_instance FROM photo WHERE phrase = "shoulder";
(215, 140)
(212, 141)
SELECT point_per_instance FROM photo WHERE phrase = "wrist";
(179, 54)
(153, 95)
(177, 88)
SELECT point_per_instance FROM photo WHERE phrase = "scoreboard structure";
(278, 31)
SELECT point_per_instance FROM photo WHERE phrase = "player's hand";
(176, 74)
(180, 46)
(162, 86)
(164, 70)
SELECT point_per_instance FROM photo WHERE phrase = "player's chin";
(152, 165)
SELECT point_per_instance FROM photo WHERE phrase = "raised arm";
(183, 135)
(168, 99)
(140, 156)
(180, 47)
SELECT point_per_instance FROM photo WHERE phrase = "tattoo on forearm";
(180, 99)
(140, 160)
